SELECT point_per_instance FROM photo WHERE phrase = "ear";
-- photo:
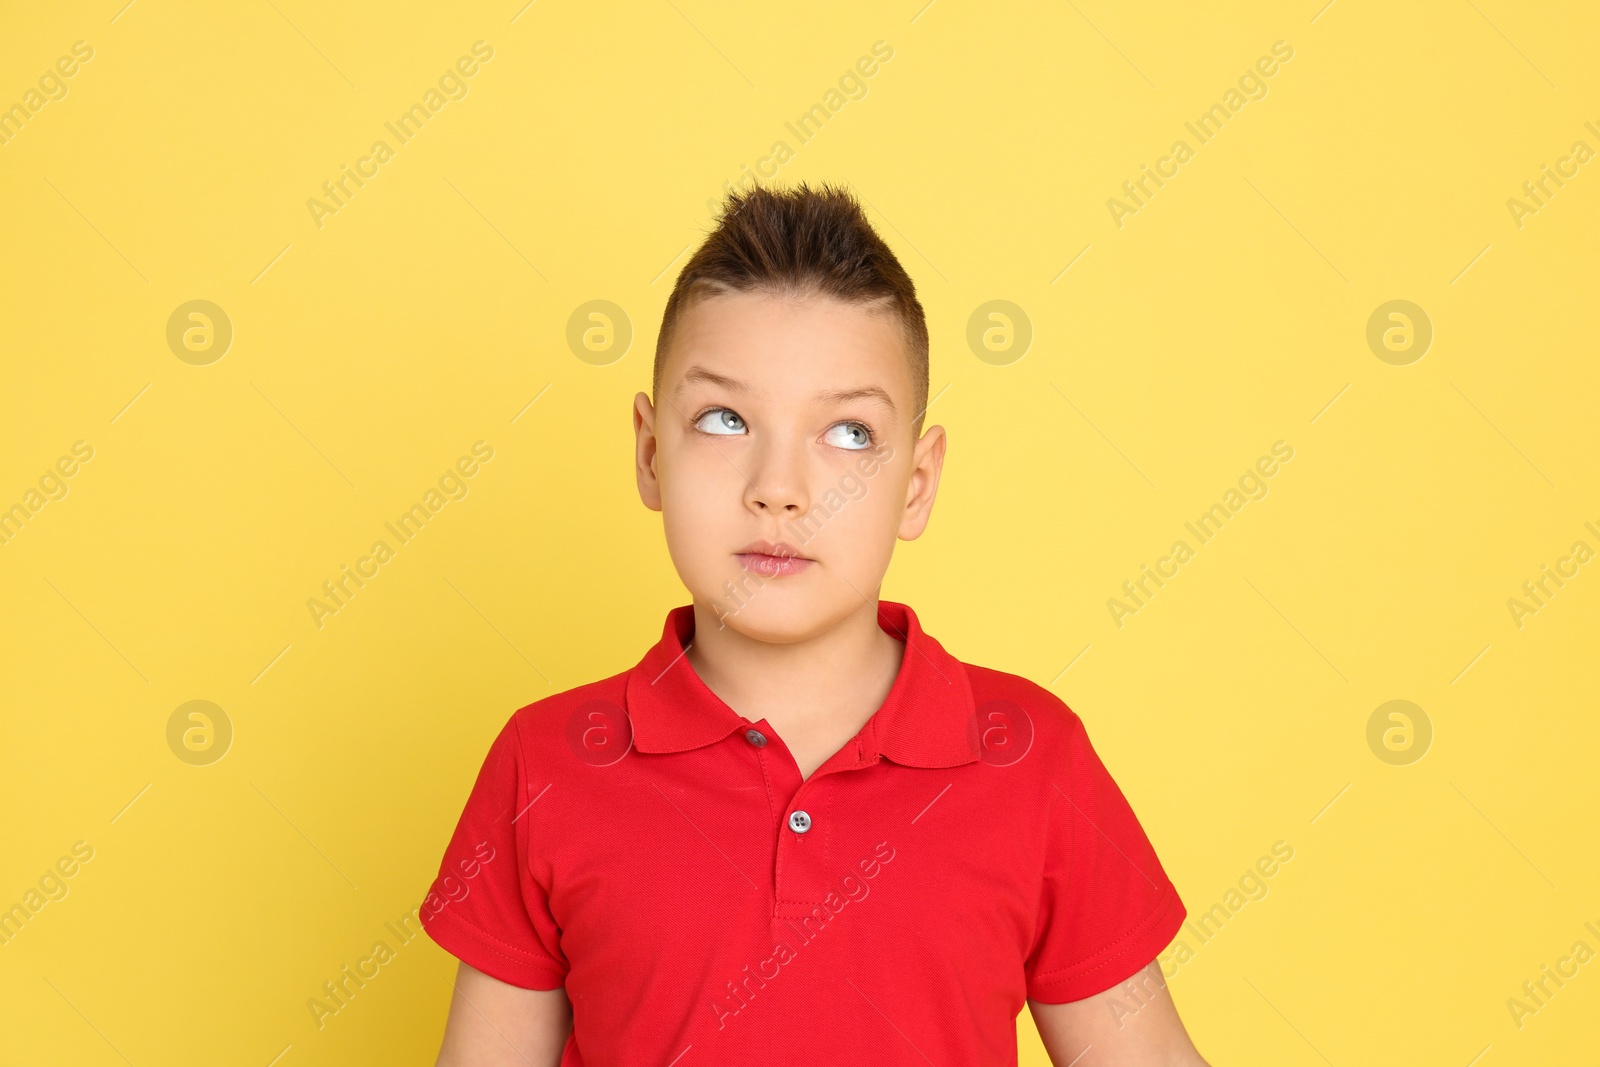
(927, 460)
(644, 458)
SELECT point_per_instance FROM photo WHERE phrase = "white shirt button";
(799, 822)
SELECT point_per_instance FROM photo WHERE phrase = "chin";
(774, 614)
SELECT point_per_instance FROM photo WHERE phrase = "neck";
(842, 667)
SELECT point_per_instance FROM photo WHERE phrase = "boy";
(798, 831)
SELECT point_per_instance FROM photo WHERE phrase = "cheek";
(860, 532)
(694, 519)
(697, 480)
(702, 496)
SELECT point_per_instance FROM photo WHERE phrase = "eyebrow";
(866, 392)
(700, 374)
(828, 396)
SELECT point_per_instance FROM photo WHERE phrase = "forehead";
(776, 342)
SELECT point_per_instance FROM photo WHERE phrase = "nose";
(777, 481)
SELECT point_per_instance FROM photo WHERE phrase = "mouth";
(768, 560)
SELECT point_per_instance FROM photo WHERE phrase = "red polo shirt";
(641, 843)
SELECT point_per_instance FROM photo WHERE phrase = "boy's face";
(787, 422)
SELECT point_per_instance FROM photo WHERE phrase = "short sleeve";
(1107, 908)
(485, 906)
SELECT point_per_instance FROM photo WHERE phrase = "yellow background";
(1229, 313)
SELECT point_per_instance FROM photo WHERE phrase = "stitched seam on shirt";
(772, 810)
(766, 781)
(524, 836)
(1114, 951)
(817, 904)
(827, 829)
(1049, 813)
(827, 855)
(522, 769)
(521, 956)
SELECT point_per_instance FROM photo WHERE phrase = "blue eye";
(720, 421)
(856, 435)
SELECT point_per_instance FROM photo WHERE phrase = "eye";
(855, 435)
(720, 421)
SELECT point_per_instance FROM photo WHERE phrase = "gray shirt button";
(799, 822)
(755, 737)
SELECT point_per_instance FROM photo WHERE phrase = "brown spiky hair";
(798, 243)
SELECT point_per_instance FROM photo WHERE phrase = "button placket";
(806, 854)
(802, 864)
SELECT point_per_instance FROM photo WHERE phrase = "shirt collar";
(925, 721)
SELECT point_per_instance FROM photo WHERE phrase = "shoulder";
(1026, 728)
(1021, 723)
(569, 717)
(999, 691)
